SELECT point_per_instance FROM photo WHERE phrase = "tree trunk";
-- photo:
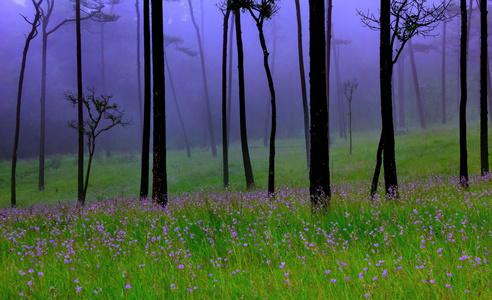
(80, 162)
(269, 108)
(484, 148)
(139, 66)
(32, 34)
(388, 134)
(159, 182)
(225, 143)
(401, 92)
(303, 81)
(248, 171)
(144, 176)
(42, 125)
(319, 173)
(463, 66)
(329, 9)
(443, 74)
(205, 84)
(229, 84)
(180, 117)
(416, 85)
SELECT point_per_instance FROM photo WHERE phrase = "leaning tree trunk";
(463, 66)
(180, 117)
(319, 172)
(484, 148)
(388, 134)
(32, 34)
(225, 143)
(248, 171)
(205, 84)
(302, 74)
(416, 85)
(268, 106)
(144, 176)
(443, 74)
(159, 181)
(80, 162)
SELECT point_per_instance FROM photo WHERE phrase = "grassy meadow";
(433, 242)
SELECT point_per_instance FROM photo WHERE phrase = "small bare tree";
(349, 87)
(101, 113)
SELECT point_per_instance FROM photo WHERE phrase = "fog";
(358, 59)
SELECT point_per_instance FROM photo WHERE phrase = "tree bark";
(420, 107)
(248, 171)
(205, 84)
(443, 74)
(319, 173)
(225, 143)
(463, 66)
(80, 162)
(144, 176)
(388, 134)
(484, 148)
(159, 182)
(302, 73)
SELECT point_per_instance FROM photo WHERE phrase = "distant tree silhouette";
(101, 112)
(418, 96)
(349, 87)
(319, 172)
(265, 9)
(398, 20)
(80, 113)
(159, 181)
(484, 148)
(205, 82)
(32, 34)
(302, 73)
(225, 143)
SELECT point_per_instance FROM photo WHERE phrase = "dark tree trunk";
(80, 162)
(32, 34)
(319, 173)
(144, 176)
(401, 92)
(329, 9)
(443, 74)
(159, 182)
(420, 107)
(205, 84)
(180, 117)
(484, 148)
(387, 134)
(302, 73)
(229, 84)
(225, 143)
(463, 66)
(42, 125)
(248, 171)
(139, 66)
(267, 132)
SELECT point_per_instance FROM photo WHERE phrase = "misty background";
(358, 59)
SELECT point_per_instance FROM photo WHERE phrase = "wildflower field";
(431, 243)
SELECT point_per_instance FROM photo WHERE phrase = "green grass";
(419, 155)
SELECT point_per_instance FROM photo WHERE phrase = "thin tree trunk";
(463, 68)
(302, 73)
(229, 84)
(80, 162)
(248, 171)
(416, 85)
(401, 91)
(484, 148)
(144, 176)
(205, 84)
(89, 164)
(319, 172)
(139, 66)
(42, 125)
(159, 182)
(269, 108)
(225, 143)
(443, 74)
(329, 9)
(32, 34)
(388, 134)
(180, 117)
